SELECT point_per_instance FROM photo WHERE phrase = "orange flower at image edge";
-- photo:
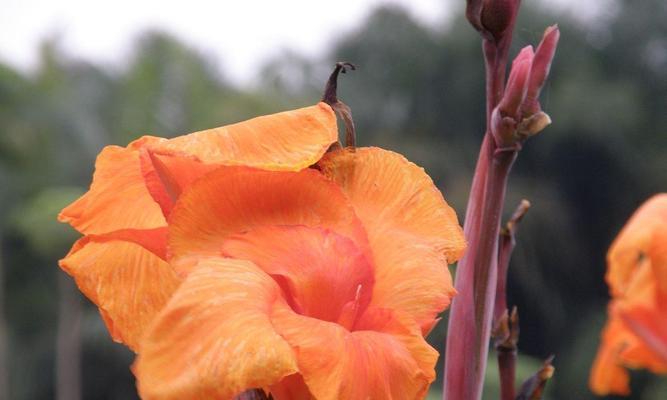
(636, 333)
(248, 256)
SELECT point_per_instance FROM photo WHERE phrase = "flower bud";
(498, 15)
(517, 85)
(540, 70)
(474, 13)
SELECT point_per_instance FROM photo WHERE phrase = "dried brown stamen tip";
(331, 98)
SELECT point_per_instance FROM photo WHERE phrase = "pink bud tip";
(544, 55)
(517, 85)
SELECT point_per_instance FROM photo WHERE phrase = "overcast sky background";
(238, 35)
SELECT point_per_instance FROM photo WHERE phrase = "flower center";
(322, 274)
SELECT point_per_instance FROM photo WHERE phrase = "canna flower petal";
(127, 281)
(412, 231)
(407, 266)
(636, 333)
(634, 242)
(291, 387)
(228, 265)
(658, 255)
(118, 197)
(650, 327)
(320, 271)
(166, 176)
(389, 192)
(287, 141)
(387, 358)
(214, 339)
(607, 375)
(624, 343)
(237, 199)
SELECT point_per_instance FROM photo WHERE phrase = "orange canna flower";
(636, 333)
(248, 256)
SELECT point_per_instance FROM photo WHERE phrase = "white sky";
(238, 34)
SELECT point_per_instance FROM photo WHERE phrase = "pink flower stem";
(471, 314)
(506, 247)
(507, 368)
(505, 325)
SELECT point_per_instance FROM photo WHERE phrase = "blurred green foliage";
(419, 91)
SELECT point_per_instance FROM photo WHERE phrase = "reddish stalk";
(505, 325)
(469, 332)
(506, 337)
(472, 310)
(506, 247)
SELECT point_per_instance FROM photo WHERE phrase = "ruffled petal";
(386, 360)
(411, 277)
(390, 193)
(287, 141)
(118, 197)
(608, 376)
(636, 334)
(214, 339)
(127, 281)
(233, 200)
(412, 231)
(634, 242)
(320, 270)
(134, 192)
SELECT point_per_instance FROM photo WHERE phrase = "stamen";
(331, 98)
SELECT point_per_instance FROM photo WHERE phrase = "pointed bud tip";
(525, 55)
(551, 30)
(517, 84)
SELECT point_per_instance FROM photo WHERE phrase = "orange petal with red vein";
(649, 325)
(390, 193)
(411, 276)
(412, 231)
(214, 339)
(129, 283)
(634, 242)
(118, 197)
(387, 361)
(322, 271)
(287, 141)
(233, 200)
